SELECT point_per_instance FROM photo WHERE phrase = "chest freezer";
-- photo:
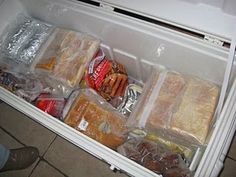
(198, 38)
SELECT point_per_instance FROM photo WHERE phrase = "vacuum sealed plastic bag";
(91, 115)
(66, 55)
(21, 41)
(155, 156)
(177, 107)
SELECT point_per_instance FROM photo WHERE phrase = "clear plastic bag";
(66, 55)
(26, 86)
(163, 99)
(10, 81)
(196, 109)
(94, 117)
(31, 88)
(51, 104)
(177, 107)
(186, 150)
(136, 120)
(56, 88)
(21, 41)
(154, 156)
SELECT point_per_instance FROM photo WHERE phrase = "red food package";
(50, 105)
(108, 77)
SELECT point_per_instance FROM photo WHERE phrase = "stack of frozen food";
(177, 106)
(66, 74)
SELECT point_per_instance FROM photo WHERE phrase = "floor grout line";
(7, 132)
(34, 167)
(41, 157)
(54, 167)
(49, 146)
(231, 158)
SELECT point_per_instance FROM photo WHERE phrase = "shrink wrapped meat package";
(155, 156)
(92, 116)
(66, 55)
(177, 107)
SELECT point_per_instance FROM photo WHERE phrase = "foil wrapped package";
(132, 94)
(22, 39)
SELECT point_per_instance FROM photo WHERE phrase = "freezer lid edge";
(216, 18)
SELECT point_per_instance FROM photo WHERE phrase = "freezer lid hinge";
(213, 40)
(106, 7)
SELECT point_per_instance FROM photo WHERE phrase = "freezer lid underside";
(216, 18)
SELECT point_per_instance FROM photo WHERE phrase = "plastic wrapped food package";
(21, 41)
(31, 89)
(187, 150)
(50, 104)
(25, 86)
(177, 107)
(91, 115)
(10, 81)
(135, 120)
(154, 156)
(108, 77)
(170, 86)
(66, 55)
(46, 60)
(196, 109)
(55, 87)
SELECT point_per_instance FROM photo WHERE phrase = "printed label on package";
(83, 125)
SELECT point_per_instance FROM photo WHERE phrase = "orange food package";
(96, 120)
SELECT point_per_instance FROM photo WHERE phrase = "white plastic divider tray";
(134, 43)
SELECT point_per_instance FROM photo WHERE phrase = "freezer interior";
(137, 44)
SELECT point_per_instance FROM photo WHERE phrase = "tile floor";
(58, 157)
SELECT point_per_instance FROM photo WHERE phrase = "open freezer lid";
(209, 17)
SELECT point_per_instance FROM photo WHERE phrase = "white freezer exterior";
(134, 43)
